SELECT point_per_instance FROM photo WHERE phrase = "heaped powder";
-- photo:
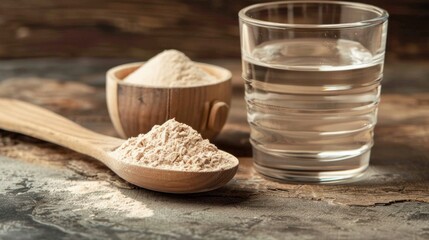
(170, 68)
(173, 146)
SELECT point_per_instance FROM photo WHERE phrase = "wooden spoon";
(28, 119)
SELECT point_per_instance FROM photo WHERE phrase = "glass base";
(310, 170)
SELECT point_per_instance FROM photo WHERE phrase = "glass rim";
(383, 15)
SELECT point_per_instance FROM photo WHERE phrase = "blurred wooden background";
(142, 28)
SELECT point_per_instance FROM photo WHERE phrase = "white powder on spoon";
(170, 68)
(173, 146)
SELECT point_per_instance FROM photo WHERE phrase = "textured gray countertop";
(48, 192)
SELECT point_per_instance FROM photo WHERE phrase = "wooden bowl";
(135, 109)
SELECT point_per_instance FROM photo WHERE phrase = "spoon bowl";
(34, 121)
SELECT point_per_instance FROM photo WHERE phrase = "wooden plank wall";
(141, 28)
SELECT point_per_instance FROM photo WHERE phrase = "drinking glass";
(312, 72)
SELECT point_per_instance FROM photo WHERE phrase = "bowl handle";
(217, 115)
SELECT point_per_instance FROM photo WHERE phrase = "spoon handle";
(31, 120)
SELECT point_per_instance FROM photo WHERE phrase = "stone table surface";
(49, 192)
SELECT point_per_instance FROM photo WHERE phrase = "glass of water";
(312, 72)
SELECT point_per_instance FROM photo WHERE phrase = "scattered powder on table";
(170, 68)
(65, 194)
(173, 146)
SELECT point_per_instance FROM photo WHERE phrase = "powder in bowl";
(173, 146)
(170, 68)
